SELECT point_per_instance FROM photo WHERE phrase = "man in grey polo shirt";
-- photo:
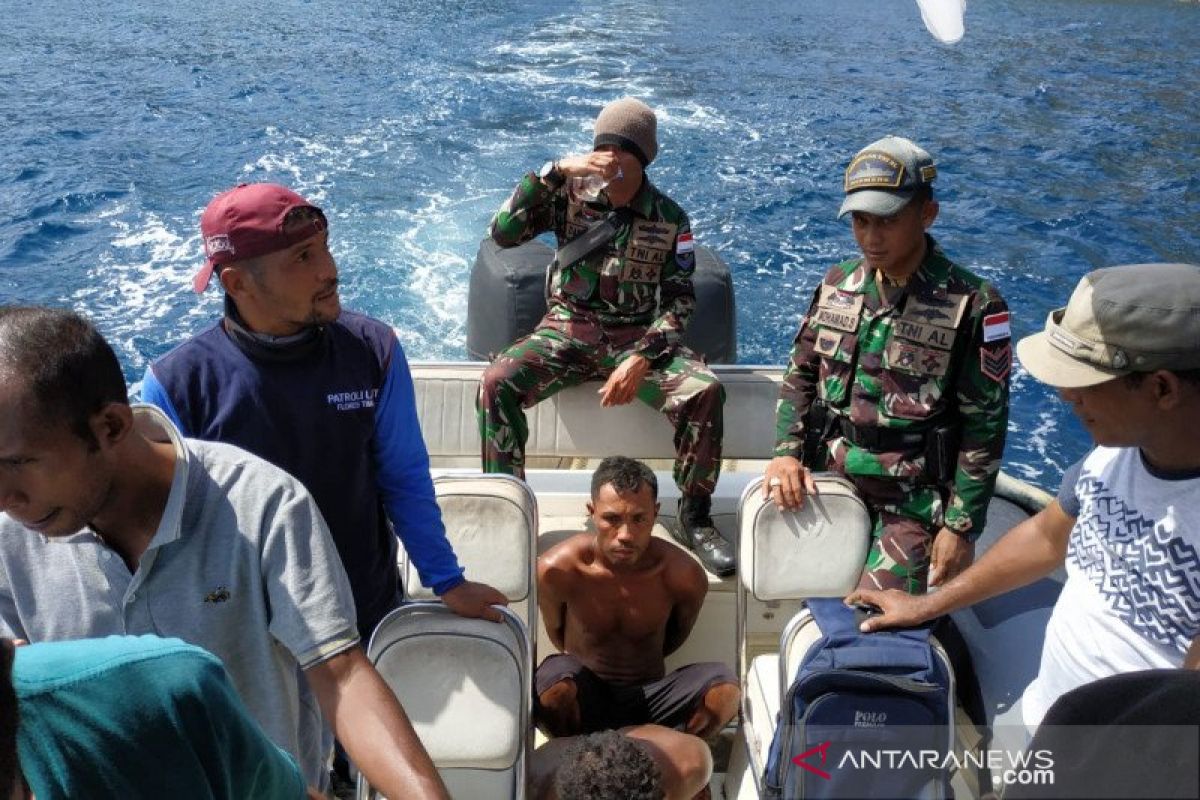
(112, 523)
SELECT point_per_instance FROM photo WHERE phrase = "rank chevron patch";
(996, 362)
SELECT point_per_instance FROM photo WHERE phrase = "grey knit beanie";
(629, 124)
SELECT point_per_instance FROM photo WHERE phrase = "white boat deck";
(570, 433)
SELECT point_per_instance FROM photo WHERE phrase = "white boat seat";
(785, 557)
(818, 551)
(466, 684)
(491, 522)
(760, 708)
(766, 685)
(566, 425)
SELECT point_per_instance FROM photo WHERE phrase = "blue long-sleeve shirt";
(342, 418)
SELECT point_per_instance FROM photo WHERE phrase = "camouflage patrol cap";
(1133, 318)
(885, 175)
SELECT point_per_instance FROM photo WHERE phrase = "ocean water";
(1066, 133)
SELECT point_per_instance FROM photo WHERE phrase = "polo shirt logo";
(218, 595)
(352, 401)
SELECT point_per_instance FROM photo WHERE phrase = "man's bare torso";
(617, 622)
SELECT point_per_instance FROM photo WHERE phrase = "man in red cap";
(322, 392)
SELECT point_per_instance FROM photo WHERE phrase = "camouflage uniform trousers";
(561, 354)
(906, 517)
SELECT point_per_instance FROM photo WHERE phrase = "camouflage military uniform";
(633, 295)
(941, 349)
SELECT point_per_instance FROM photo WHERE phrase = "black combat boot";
(694, 529)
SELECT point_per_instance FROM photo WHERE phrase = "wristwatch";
(550, 175)
(962, 527)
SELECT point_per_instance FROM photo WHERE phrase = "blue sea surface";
(1066, 133)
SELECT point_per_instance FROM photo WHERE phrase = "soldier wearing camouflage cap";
(1124, 353)
(898, 379)
(616, 312)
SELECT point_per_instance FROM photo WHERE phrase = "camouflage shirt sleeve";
(798, 388)
(676, 298)
(528, 211)
(982, 394)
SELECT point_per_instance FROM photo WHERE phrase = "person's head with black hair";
(608, 766)
(625, 475)
(69, 455)
(623, 509)
(62, 363)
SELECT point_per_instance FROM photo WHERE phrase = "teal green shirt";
(141, 718)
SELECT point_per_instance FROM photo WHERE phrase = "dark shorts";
(669, 701)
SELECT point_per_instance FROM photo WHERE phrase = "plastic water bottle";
(589, 187)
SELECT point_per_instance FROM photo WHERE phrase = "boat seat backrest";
(491, 522)
(466, 685)
(817, 551)
(785, 557)
(566, 425)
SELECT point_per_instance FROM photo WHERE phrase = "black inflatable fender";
(506, 300)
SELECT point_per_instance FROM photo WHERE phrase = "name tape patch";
(932, 335)
(833, 318)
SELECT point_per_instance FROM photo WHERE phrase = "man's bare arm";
(688, 583)
(552, 601)
(684, 761)
(1192, 659)
(1031, 550)
(370, 723)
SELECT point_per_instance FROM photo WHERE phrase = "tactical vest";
(619, 282)
(888, 367)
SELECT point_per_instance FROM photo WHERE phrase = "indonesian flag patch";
(995, 327)
(995, 362)
(683, 243)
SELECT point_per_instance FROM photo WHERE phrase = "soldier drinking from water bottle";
(621, 297)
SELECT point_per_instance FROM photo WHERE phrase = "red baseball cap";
(247, 222)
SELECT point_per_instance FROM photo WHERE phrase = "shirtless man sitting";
(616, 601)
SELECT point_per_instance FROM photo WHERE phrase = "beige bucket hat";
(1133, 318)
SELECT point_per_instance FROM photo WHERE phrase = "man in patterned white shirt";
(1125, 353)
